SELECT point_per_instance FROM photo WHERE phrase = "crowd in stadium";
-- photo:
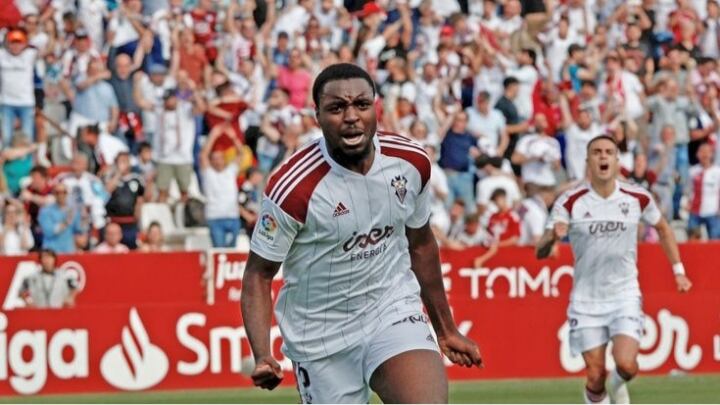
(123, 117)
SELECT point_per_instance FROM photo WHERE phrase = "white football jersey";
(603, 234)
(341, 238)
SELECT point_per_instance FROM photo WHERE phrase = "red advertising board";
(514, 307)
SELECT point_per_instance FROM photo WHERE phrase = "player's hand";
(683, 283)
(461, 350)
(267, 373)
(560, 229)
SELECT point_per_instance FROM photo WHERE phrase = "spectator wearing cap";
(175, 140)
(17, 95)
(61, 222)
(489, 123)
(95, 100)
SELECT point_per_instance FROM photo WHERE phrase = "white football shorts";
(589, 330)
(344, 377)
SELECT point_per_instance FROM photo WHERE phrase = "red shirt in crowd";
(236, 108)
(504, 225)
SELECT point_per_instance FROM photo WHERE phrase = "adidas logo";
(587, 215)
(341, 209)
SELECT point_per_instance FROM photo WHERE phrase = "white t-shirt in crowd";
(576, 140)
(705, 186)
(489, 126)
(12, 240)
(16, 78)
(221, 192)
(109, 147)
(123, 29)
(547, 148)
(489, 184)
(176, 135)
(533, 215)
(527, 76)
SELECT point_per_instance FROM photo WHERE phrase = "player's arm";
(256, 304)
(670, 247)
(425, 263)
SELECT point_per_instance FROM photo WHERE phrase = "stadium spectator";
(61, 222)
(100, 148)
(50, 286)
(17, 96)
(222, 210)
(539, 156)
(94, 99)
(153, 240)
(112, 243)
(36, 195)
(705, 192)
(86, 190)
(455, 156)
(127, 195)
(488, 123)
(504, 224)
(17, 161)
(150, 89)
(473, 234)
(15, 235)
(533, 212)
(175, 140)
(495, 178)
(145, 167)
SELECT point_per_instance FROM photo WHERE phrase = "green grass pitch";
(645, 389)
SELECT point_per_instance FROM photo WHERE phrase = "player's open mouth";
(353, 138)
(604, 167)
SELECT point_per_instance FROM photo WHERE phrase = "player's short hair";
(509, 81)
(339, 71)
(603, 136)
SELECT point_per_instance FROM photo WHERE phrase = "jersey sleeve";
(651, 214)
(274, 232)
(421, 215)
(558, 214)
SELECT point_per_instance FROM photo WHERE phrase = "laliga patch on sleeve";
(267, 228)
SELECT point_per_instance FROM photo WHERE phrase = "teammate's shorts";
(344, 377)
(588, 331)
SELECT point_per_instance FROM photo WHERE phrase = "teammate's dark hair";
(339, 71)
(599, 137)
(509, 81)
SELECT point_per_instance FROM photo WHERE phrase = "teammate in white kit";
(347, 216)
(601, 217)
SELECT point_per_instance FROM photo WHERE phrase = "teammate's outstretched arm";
(670, 247)
(425, 263)
(256, 304)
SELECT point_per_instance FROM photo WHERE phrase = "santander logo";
(134, 363)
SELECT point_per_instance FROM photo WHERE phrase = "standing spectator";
(176, 137)
(250, 198)
(489, 123)
(538, 154)
(60, 222)
(100, 147)
(123, 82)
(222, 209)
(472, 233)
(149, 91)
(190, 57)
(154, 240)
(527, 75)
(95, 100)
(495, 178)
(113, 240)
(17, 95)
(295, 79)
(705, 195)
(641, 174)
(86, 191)
(577, 135)
(515, 125)
(15, 235)
(50, 287)
(533, 213)
(455, 157)
(36, 195)
(127, 195)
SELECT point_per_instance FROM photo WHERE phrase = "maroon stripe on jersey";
(296, 203)
(571, 200)
(392, 142)
(286, 167)
(387, 134)
(418, 159)
(642, 198)
(697, 185)
(291, 178)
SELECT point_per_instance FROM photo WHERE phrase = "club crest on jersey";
(624, 208)
(400, 185)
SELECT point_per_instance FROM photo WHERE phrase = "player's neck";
(604, 188)
(361, 165)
